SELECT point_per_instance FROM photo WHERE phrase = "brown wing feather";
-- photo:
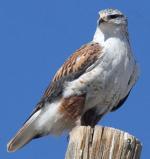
(74, 67)
(80, 60)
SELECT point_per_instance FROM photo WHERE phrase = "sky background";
(35, 39)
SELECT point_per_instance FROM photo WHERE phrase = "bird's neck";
(101, 35)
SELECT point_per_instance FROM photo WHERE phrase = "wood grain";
(102, 143)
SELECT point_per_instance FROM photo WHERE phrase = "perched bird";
(95, 80)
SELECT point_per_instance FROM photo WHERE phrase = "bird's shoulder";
(74, 67)
(79, 60)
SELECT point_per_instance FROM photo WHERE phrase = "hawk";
(95, 80)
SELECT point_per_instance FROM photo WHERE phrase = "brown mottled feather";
(72, 107)
(75, 66)
(87, 54)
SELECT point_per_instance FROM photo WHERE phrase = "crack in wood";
(102, 143)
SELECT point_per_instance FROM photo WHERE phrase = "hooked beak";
(101, 20)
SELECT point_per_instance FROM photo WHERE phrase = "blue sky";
(35, 39)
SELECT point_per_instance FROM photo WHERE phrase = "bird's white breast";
(108, 81)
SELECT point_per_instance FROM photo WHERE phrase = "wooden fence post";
(102, 143)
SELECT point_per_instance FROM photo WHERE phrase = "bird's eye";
(114, 16)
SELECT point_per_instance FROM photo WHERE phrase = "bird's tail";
(24, 135)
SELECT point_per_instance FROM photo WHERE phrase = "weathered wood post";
(102, 143)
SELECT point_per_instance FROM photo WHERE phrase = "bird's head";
(111, 23)
(111, 17)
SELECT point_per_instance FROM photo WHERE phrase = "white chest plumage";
(110, 80)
